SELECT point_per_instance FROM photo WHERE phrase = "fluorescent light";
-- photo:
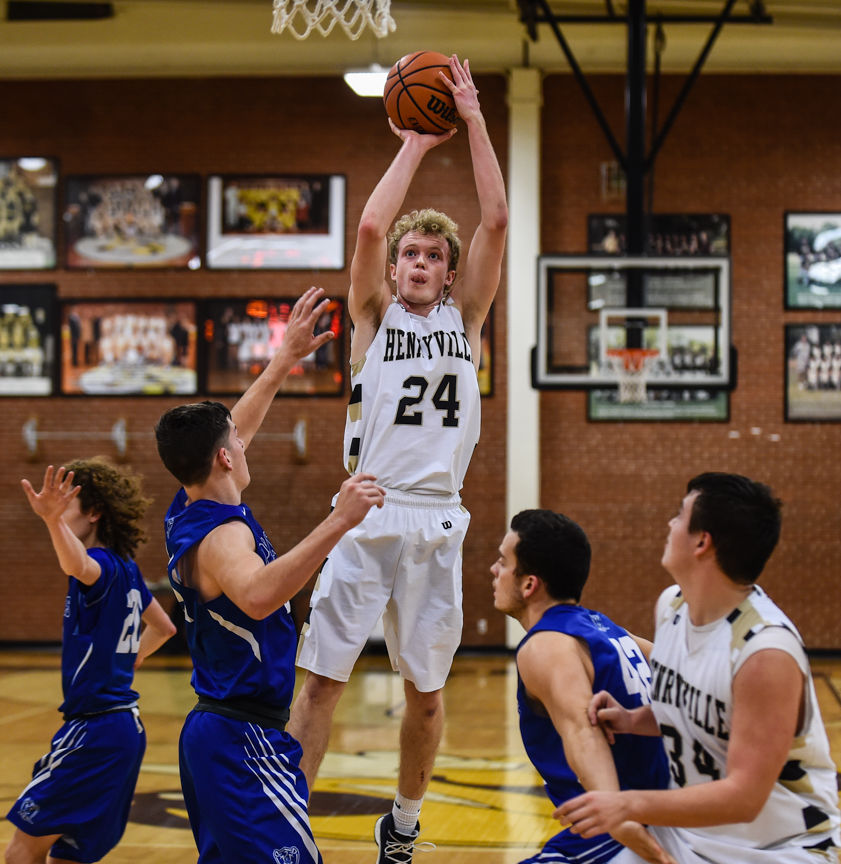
(367, 82)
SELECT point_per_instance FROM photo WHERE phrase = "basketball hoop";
(301, 17)
(630, 366)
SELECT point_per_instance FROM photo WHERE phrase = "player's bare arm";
(298, 341)
(51, 503)
(480, 280)
(157, 628)
(370, 292)
(226, 561)
(767, 697)
(556, 670)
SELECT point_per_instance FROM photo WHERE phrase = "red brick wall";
(748, 146)
(752, 147)
(217, 126)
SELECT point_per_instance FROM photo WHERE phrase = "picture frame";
(693, 235)
(28, 192)
(241, 335)
(662, 405)
(130, 221)
(813, 372)
(812, 260)
(276, 221)
(112, 347)
(28, 339)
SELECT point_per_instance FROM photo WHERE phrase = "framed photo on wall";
(28, 213)
(241, 336)
(280, 222)
(132, 221)
(128, 348)
(27, 340)
(669, 234)
(812, 267)
(813, 371)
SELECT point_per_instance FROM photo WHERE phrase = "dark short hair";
(115, 494)
(742, 517)
(555, 549)
(189, 437)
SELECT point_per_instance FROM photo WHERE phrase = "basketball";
(416, 98)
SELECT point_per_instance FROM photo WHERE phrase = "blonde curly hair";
(116, 496)
(426, 221)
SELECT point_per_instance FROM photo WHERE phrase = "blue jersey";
(622, 670)
(234, 655)
(101, 636)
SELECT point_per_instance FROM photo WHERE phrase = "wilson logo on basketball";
(441, 109)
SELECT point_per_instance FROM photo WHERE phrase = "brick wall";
(752, 147)
(218, 126)
(748, 146)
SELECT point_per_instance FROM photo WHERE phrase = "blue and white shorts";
(82, 788)
(245, 794)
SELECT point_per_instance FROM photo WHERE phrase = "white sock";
(405, 812)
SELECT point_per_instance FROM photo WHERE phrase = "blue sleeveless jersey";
(234, 656)
(101, 635)
(621, 669)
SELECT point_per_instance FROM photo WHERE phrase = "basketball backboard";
(591, 307)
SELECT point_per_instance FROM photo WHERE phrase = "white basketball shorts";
(403, 561)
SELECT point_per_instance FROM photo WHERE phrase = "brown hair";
(116, 496)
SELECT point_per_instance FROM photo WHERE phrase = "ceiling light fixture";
(367, 82)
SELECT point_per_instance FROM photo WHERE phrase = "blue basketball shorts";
(82, 788)
(245, 794)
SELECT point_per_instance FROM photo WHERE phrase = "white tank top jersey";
(693, 669)
(414, 413)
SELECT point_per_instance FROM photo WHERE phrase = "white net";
(301, 17)
(631, 367)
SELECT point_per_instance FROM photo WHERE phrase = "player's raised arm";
(484, 258)
(50, 503)
(369, 290)
(298, 341)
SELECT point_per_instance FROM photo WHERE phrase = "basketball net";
(630, 366)
(301, 17)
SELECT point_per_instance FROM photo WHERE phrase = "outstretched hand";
(299, 341)
(464, 91)
(57, 491)
(606, 712)
(595, 812)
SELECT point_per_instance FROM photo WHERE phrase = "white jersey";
(693, 670)
(414, 413)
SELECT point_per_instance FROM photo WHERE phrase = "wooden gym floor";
(485, 803)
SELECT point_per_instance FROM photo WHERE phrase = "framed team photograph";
(669, 234)
(27, 340)
(132, 221)
(28, 186)
(129, 348)
(813, 372)
(276, 222)
(812, 267)
(241, 336)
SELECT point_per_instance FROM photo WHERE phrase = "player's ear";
(448, 279)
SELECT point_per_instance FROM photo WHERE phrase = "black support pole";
(635, 155)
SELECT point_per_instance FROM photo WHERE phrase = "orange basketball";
(416, 98)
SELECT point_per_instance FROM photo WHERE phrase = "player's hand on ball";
(357, 496)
